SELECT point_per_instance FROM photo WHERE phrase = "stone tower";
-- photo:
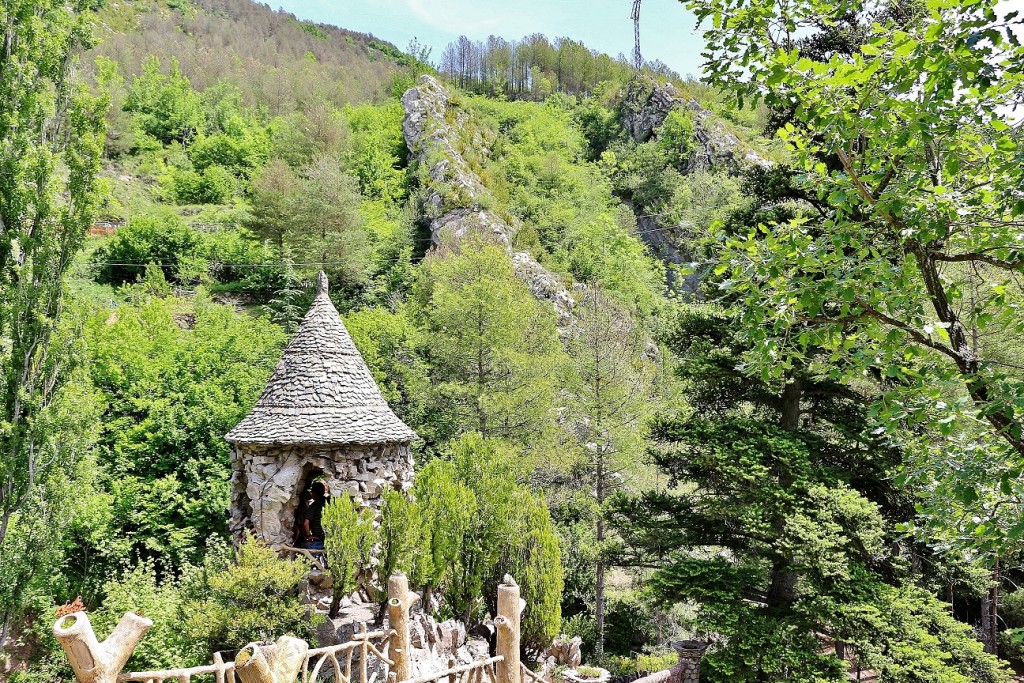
(321, 415)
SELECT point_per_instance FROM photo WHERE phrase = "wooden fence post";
(507, 623)
(93, 661)
(400, 601)
(279, 662)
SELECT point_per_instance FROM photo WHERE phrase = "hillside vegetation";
(662, 346)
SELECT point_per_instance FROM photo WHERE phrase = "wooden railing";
(290, 660)
(306, 553)
(363, 643)
(223, 672)
(467, 673)
(532, 675)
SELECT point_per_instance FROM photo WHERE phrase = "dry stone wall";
(266, 481)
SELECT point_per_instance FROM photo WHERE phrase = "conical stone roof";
(321, 392)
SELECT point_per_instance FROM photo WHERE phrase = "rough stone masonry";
(322, 415)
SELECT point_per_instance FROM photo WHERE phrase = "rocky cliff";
(453, 199)
(647, 104)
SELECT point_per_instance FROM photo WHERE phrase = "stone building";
(321, 416)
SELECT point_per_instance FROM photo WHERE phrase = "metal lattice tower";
(638, 60)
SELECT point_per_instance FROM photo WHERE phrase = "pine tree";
(775, 523)
(610, 391)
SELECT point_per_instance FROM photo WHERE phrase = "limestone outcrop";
(453, 199)
(646, 106)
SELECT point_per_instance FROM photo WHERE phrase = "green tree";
(250, 595)
(328, 225)
(51, 137)
(610, 395)
(495, 347)
(162, 239)
(904, 263)
(165, 105)
(348, 536)
(775, 524)
(675, 137)
(401, 536)
(509, 531)
(171, 392)
(272, 205)
(447, 507)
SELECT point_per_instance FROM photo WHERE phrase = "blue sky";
(667, 28)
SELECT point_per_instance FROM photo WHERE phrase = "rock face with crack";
(453, 199)
(320, 415)
(646, 106)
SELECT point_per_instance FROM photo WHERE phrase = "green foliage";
(391, 344)
(51, 134)
(241, 149)
(494, 346)
(536, 173)
(401, 535)
(173, 385)
(138, 590)
(675, 137)
(897, 259)
(162, 239)
(510, 532)
(255, 597)
(312, 215)
(214, 185)
(348, 536)
(328, 225)
(447, 507)
(378, 151)
(165, 105)
(788, 501)
(271, 199)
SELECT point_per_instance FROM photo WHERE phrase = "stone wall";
(265, 481)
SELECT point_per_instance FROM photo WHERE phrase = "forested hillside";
(731, 361)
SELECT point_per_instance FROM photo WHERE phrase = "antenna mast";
(638, 60)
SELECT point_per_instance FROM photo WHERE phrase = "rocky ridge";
(646, 106)
(453, 198)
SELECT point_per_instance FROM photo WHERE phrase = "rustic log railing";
(289, 659)
(362, 642)
(531, 675)
(466, 673)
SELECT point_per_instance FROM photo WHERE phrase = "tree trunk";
(967, 362)
(599, 608)
(5, 627)
(335, 602)
(599, 583)
(990, 614)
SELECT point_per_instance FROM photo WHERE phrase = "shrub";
(401, 537)
(242, 150)
(214, 185)
(139, 591)
(348, 537)
(158, 238)
(253, 598)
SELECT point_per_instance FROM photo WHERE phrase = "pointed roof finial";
(321, 283)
